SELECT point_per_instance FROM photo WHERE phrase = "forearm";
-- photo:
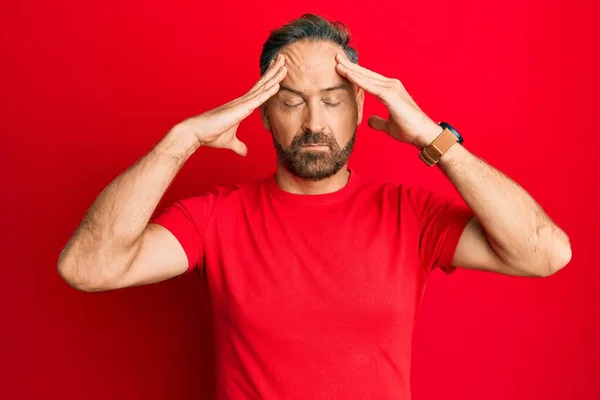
(105, 242)
(517, 228)
(519, 231)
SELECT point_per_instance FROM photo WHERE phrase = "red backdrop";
(87, 88)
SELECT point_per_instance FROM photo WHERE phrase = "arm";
(115, 246)
(510, 233)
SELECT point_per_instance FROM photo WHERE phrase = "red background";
(86, 89)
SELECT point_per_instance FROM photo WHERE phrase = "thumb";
(239, 147)
(378, 123)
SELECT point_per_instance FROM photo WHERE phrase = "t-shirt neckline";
(314, 199)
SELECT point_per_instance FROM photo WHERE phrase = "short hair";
(307, 27)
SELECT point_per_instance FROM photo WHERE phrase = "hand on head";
(407, 122)
(217, 128)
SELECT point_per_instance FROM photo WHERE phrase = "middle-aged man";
(315, 273)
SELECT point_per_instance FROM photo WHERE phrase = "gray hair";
(307, 27)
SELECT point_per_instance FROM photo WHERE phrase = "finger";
(245, 108)
(268, 89)
(276, 63)
(260, 98)
(267, 86)
(378, 123)
(384, 84)
(276, 79)
(345, 61)
(368, 84)
(239, 147)
(381, 80)
(267, 83)
(245, 105)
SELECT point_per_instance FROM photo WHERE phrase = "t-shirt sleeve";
(441, 221)
(187, 220)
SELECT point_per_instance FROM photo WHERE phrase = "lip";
(314, 145)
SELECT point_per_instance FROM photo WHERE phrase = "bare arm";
(102, 250)
(510, 232)
(115, 246)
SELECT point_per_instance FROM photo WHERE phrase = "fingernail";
(271, 63)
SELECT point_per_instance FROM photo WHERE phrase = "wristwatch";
(432, 153)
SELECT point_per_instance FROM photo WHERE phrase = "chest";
(314, 273)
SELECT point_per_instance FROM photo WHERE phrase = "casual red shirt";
(315, 296)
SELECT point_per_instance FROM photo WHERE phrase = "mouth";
(314, 145)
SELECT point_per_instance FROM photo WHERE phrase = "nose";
(314, 118)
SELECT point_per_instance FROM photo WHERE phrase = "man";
(315, 274)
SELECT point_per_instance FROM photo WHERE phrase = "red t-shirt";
(315, 296)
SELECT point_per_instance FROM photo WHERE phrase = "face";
(313, 117)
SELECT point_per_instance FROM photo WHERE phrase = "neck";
(292, 184)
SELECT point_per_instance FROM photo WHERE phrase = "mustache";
(308, 138)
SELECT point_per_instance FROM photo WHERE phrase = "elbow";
(561, 259)
(70, 271)
(550, 252)
(66, 270)
(541, 264)
(559, 256)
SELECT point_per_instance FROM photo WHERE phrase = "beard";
(314, 165)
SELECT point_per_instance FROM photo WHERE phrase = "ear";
(360, 102)
(264, 114)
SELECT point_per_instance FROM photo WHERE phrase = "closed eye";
(287, 105)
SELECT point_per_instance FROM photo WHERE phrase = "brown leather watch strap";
(432, 154)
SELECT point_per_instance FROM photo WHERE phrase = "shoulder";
(238, 191)
(406, 197)
(192, 214)
(224, 195)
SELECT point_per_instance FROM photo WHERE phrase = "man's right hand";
(115, 246)
(217, 128)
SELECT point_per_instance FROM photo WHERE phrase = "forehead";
(311, 66)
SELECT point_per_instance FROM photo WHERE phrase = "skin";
(315, 105)
(115, 246)
(510, 233)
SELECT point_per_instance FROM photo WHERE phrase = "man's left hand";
(406, 121)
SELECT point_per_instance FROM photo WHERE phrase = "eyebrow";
(299, 93)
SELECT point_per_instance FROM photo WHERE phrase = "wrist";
(178, 143)
(427, 136)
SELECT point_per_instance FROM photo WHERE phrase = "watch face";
(451, 129)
